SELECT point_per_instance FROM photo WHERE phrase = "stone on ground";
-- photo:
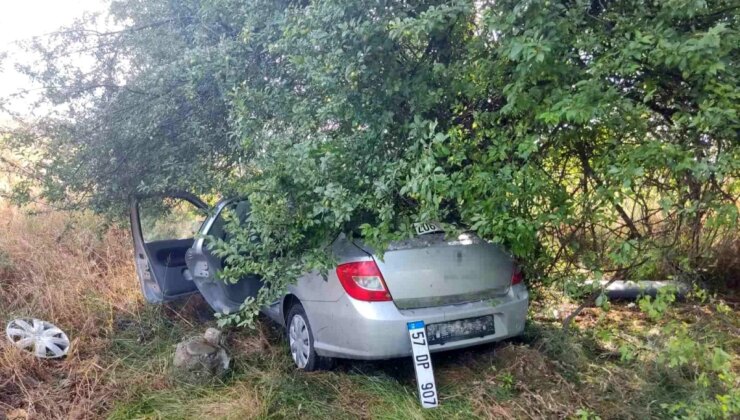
(201, 358)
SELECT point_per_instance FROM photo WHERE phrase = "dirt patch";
(525, 384)
(247, 343)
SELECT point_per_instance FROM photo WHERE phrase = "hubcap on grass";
(300, 345)
(42, 338)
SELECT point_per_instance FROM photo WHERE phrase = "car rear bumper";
(354, 329)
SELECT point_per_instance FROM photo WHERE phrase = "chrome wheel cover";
(43, 339)
(300, 342)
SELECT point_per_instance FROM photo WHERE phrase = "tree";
(591, 137)
(141, 109)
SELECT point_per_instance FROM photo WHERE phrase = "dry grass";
(74, 270)
(54, 266)
(237, 402)
(53, 260)
(537, 389)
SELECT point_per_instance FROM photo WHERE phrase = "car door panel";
(168, 264)
(161, 264)
(204, 267)
(171, 253)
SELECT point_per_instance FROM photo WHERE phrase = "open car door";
(163, 229)
(204, 266)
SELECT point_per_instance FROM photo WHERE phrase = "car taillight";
(517, 277)
(362, 280)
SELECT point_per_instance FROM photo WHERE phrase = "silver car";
(466, 290)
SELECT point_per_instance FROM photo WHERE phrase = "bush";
(584, 135)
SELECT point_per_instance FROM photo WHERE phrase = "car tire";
(300, 341)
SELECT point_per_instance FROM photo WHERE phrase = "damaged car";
(466, 290)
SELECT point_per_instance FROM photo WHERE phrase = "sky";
(24, 19)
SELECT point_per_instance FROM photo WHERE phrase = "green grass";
(544, 374)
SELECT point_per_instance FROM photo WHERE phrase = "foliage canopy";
(588, 136)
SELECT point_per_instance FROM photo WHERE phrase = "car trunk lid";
(431, 270)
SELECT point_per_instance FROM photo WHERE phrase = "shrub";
(583, 135)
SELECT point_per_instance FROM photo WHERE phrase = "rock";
(200, 359)
(17, 414)
(213, 336)
(199, 348)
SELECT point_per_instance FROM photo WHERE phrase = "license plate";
(423, 365)
(427, 227)
(462, 329)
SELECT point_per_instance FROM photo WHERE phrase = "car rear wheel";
(300, 339)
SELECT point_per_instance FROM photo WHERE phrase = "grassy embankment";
(77, 273)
